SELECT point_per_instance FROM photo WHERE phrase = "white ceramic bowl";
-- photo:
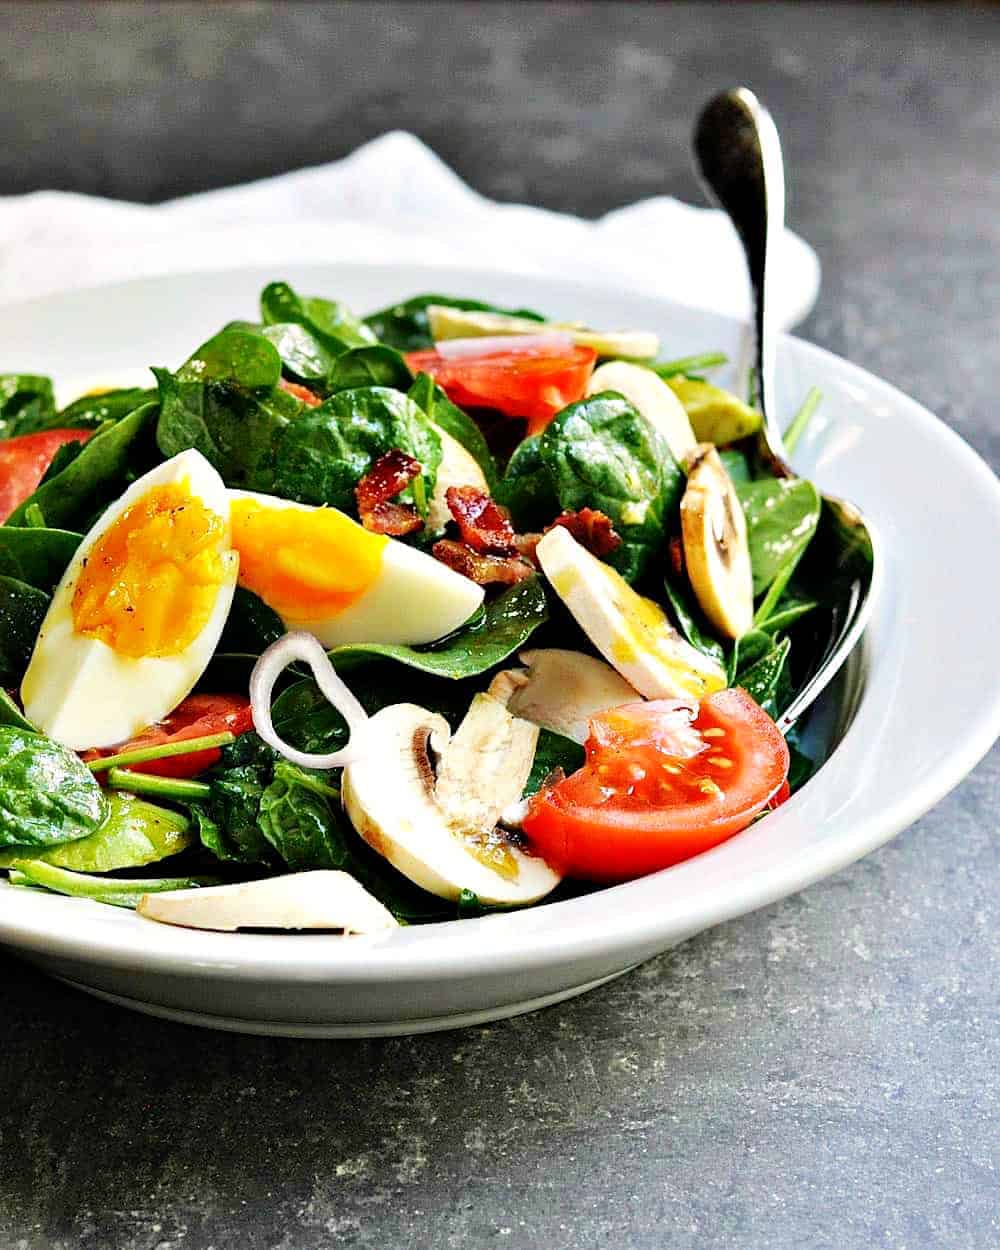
(928, 706)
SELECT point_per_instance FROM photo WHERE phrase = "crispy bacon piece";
(482, 524)
(308, 397)
(376, 491)
(592, 529)
(484, 570)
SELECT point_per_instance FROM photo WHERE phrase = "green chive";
(162, 751)
(689, 364)
(162, 787)
(802, 419)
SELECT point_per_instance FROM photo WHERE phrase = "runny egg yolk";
(149, 582)
(306, 565)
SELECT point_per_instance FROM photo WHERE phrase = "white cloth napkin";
(392, 200)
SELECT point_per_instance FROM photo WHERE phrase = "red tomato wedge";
(308, 397)
(535, 383)
(657, 788)
(23, 462)
(196, 717)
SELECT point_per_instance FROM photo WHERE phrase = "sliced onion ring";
(491, 345)
(306, 647)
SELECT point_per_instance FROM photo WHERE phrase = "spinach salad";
(354, 622)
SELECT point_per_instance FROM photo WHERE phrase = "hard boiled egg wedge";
(138, 613)
(323, 572)
(631, 632)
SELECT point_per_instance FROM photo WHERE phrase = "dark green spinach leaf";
(553, 751)
(691, 621)
(91, 411)
(450, 418)
(782, 515)
(527, 488)
(329, 322)
(321, 457)
(298, 820)
(26, 404)
(235, 429)
(22, 610)
(404, 325)
(600, 453)
(251, 626)
(302, 354)
(47, 796)
(369, 366)
(241, 356)
(504, 626)
(36, 556)
(764, 679)
(11, 714)
(105, 465)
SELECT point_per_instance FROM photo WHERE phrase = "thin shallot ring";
(302, 646)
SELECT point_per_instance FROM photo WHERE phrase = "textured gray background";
(821, 1074)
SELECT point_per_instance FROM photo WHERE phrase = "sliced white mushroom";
(322, 899)
(716, 554)
(430, 804)
(448, 323)
(649, 395)
(631, 632)
(457, 468)
(561, 690)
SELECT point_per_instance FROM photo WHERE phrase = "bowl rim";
(556, 933)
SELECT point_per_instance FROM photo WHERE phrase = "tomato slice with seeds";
(23, 461)
(535, 383)
(197, 716)
(657, 787)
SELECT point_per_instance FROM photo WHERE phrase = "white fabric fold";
(392, 200)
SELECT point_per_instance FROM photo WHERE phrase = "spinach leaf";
(747, 650)
(692, 623)
(320, 458)
(26, 404)
(47, 796)
(116, 891)
(302, 354)
(251, 626)
(297, 819)
(527, 489)
(227, 821)
(790, 608)
(11, 714)
(91, 411)
(601, 453)
(22, 610)
(553, 751)
(501, 629)
(782, 515)
(801, 766)
(133, 833)
(234, 429)
(36, 556)
(106, 463)
(330, 323)
(404, 326)
(450, 418)
(369, 366)
(764, 679)
(242, 356)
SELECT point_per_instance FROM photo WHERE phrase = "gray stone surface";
(820, 1074)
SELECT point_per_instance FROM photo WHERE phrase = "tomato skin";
(618, 839)
(535, 384)
(308, 397)
(23, 461)
(196, 717)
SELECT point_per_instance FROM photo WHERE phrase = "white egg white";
(414, 599)
(78, 690)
